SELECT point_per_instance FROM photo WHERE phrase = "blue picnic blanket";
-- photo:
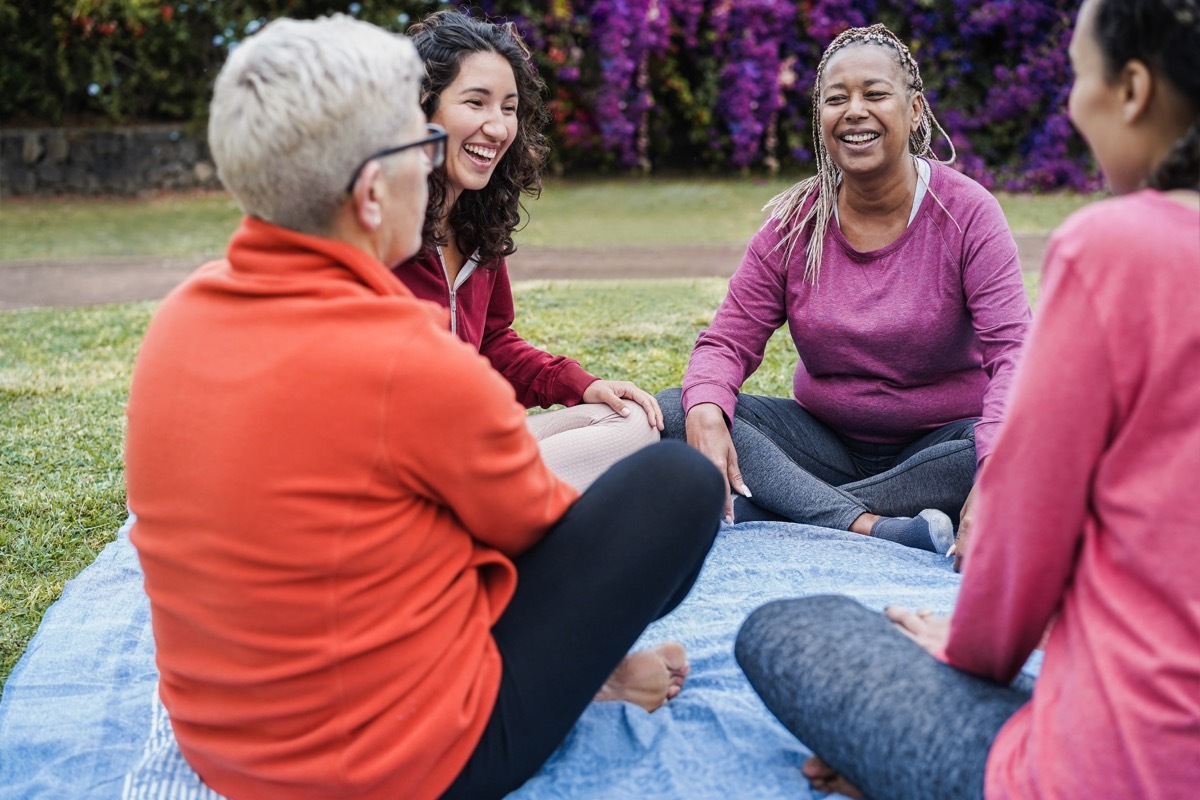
(80, 716)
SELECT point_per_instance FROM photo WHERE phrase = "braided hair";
(785, 207)
(483, 220)
(1164, 35)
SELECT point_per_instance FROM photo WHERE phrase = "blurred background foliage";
(717, 86)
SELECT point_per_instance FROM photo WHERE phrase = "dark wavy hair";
(1165, 36)
(484, 221)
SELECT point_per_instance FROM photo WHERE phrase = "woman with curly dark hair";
(481, 86)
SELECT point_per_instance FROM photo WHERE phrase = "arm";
(999, 309)
(465, 443)
(729, 351)
(732, 347)
(1035, 489)
(538, 378)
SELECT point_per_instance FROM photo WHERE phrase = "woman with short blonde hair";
(362, 576)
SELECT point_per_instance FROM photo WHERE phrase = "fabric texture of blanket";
(80, 716)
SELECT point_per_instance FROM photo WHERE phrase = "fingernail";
(746, 491)
(624, 412)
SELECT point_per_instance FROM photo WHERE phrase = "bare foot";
(648, 678)
(825, 778)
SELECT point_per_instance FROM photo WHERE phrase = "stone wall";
(123, 160)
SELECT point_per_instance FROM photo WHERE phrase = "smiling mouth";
(859, 138)
(483, 154)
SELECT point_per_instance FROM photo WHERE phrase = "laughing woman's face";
(867, 113)
(479, 112)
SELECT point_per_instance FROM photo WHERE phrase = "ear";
(368, 210)
(918, 106)
(1136, 83)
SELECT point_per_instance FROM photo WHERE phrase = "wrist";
(707, 414)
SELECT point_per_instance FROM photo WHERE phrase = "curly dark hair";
(1165, 36)
(484, 221)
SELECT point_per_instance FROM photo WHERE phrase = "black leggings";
(623, 556)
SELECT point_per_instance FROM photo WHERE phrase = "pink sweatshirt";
(893, 343)
(1088, 516)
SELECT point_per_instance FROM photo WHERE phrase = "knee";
(684, 481)
(635, 429)
(687, 470)
(754, 648)
(781, 624)
(674, 420)
(767, 621)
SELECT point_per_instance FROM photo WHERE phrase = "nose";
(856, 107)
(494, 126)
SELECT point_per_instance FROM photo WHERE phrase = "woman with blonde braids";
(1087, 514)
(899, 281)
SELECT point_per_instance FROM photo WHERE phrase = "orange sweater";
(329, 488)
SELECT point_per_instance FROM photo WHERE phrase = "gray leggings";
(870, 702)
(800, 470)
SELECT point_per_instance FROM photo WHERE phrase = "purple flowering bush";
(728, 83)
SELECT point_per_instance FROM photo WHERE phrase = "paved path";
(27, 284)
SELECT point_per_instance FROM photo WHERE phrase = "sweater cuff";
(710, 393)
(985, 437)
(574, 380)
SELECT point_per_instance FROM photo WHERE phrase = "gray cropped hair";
(299, 105)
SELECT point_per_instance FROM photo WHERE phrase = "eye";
(835, 99)
(475, 101)
(510, 109)
(876, 95)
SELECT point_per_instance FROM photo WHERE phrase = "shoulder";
(958, 190)
(426, 359)
(422, 273)
(1116, 218)
(765, 251)
(1128, 232)
(963, 210)
(768, 235)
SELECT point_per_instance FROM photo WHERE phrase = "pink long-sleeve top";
(482, 313)
(1088, 516)
(893, 343)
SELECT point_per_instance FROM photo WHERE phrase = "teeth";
(483, 152)
(859, 138)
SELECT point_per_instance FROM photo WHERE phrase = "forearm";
(1034, 490)
(1000, 315)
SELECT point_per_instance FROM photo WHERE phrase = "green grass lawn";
(64, 379)
(582, 213)
(64, 373)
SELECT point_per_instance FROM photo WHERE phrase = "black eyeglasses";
(435, 151)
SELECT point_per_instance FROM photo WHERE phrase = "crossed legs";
(623, 556)
(879, 712)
